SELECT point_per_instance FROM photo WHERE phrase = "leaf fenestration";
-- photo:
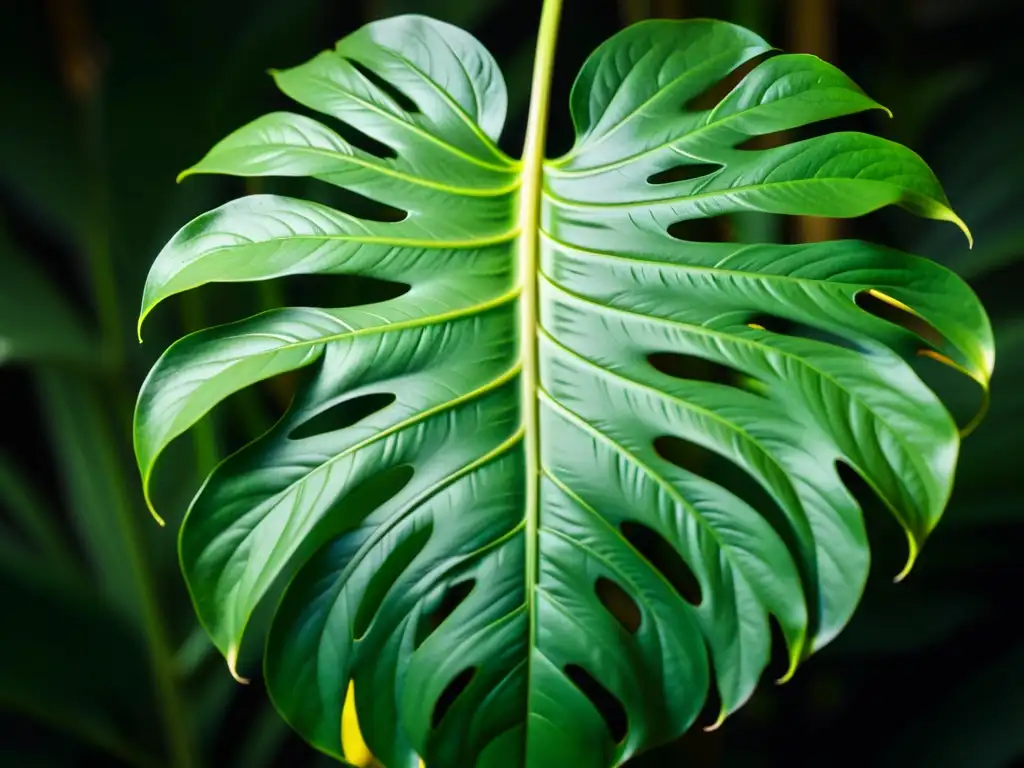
(549, 582)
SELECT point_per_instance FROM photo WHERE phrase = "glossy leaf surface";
(478, 510)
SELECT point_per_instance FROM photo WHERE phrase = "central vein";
(527, 257)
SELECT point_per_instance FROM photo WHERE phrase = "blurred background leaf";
(36, 321)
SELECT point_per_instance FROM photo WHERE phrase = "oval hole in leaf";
(708, 229)
(764, 141)
(894, 311)
(963, 396)
(387, 574)
(361, 206)
(344, 200)
(713, 466)
(367, 497)
(451, 692)
(607, 704)
(966, 401)
(454, 595)
(619, 604)
(345, 514)
(684, 172)
(664, 558)
(686, 454)
(786, 327)
(339, 291)
(399, 98)
(341, 415)
(858, 122)
(693, 368)
(228, 302)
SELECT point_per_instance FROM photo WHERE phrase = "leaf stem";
(527, 260)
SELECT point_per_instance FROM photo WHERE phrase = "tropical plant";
(480, 524)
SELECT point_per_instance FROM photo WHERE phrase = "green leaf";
(475, 507)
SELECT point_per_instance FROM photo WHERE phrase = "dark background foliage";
(102, 102)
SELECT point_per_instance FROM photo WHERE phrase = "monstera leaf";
(478, 512)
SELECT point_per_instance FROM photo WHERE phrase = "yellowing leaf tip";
(232, 659)
(967, 233)
(794, 662)
(142, 319)
(911, 559)
(718, 723)
(950, 216)
(149, 502)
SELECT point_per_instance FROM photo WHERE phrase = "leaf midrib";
(527, 262)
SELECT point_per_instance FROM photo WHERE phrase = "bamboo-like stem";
(811, 31)
(632, 11)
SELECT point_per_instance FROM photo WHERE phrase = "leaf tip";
(950, 216)
(915, 549)
(794, 662)
(143, 314)
(184, 175)
(232, 659)
(718, 722)
(967, 234)
(149, 502)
